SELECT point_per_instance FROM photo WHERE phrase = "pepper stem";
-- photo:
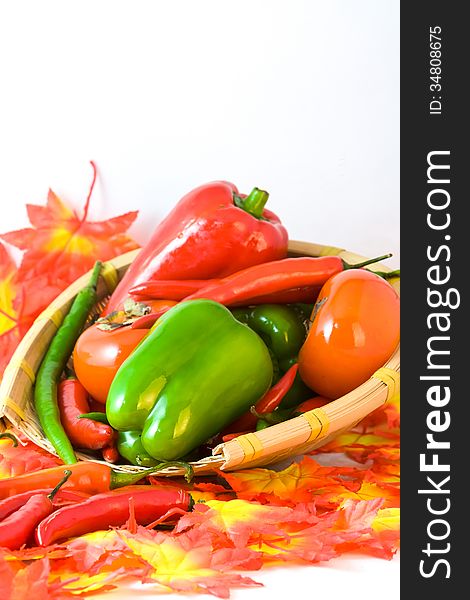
(67, 474)
(95, 416)
(254, 203)
(369, 261)
(119, 479)
(387, 274)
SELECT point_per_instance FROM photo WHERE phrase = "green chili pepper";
(53, 364)
(95, 416)
(198, 370)
(129, 445)
(283, 328)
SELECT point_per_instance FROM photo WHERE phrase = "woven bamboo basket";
(294, 437)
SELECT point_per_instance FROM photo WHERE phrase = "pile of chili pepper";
(199, 342)
(50, 505)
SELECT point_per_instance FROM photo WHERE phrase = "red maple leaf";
(59, 248)
(63, 244)
(24, 458)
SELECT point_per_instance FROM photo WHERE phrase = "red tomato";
(355, 329)
(98, 354)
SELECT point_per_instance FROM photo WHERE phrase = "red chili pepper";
(169, 289)
(231, 436)
(274, 395)
(18, 527)
(110, 453)
(306, 295)
(276, 276)
(111, 510)
(173, 289)
(89, 477)
(72, 399)
(266, 404)
(311, 403)
(146, 321)
(212, 231)
(9, 505)
(96, 406)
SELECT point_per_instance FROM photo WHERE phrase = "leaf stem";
(87, 203)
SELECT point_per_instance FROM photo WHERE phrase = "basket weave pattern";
(290, 438)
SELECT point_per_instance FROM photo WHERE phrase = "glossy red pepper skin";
(17, 528)
(12, 503)
(206, 235)
(72, 400)
(110, 510)
(88, 477)
(169, 289)
(271, 400)
(271, 278)
(278, 278)
(311, 404)
(177, 290)
(110, 453)
(266, 404)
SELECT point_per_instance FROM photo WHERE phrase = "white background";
(298, 97)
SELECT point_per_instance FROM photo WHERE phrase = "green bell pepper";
(129, 445)
(280, 327)
(283, 329)
(198, 370)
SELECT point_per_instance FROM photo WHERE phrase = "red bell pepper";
(212, 232)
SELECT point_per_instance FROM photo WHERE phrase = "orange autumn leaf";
(233, 522)
(7, 290)
(383, 538)
(319, 537)
(58, 248)
(287, 533)
(300, 482)
(387, 415)
(24, 458)
(8, 343)
(187, 565)
(350, 441)
(386, 529)
(62, 243)
(9, 334)
(21, 581)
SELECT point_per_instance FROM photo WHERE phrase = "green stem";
(386, 274)
(67, 474)
(369, 261)
(95, 416)
(254, 203)
(119, 479)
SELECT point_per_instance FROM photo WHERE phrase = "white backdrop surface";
(300, 98)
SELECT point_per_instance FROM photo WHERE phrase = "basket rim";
(229, 455)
